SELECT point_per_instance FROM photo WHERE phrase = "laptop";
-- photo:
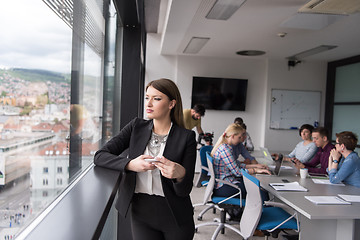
(266, 154)
(269, 159)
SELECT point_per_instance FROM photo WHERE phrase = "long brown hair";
(169, 88)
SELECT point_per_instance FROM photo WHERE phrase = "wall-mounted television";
(219, 93)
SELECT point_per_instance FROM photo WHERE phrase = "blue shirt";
(348, 170)
(241, 150)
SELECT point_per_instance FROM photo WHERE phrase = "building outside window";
(51, 99)
(59, 181)
(45, 182)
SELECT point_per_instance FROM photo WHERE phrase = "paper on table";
(272, 167)
(292, 186)
(350, 198)
(326, 181)
(326, 200)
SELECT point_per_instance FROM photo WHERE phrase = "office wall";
(217, 121)
(304, 76)
(158, 66)
(262, 76)
(182, 68)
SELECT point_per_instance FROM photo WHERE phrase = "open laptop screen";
(268, 158)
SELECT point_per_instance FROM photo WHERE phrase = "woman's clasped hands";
(168, 168)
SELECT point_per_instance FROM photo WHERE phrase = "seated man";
(247, 142)
(321, 140)
(192, 117)
(240, 149)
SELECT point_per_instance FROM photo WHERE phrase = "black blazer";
(180, 147)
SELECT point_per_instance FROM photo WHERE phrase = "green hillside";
(35, 75)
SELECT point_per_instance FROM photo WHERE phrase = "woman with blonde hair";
(157, 174)
(226, 167)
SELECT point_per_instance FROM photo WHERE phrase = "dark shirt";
(322, 158)
(240, 149)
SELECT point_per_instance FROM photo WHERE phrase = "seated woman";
(344, 162)
(304, 150)
(226, 167)
(240, 149)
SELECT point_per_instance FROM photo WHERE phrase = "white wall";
(217, 121)
(262, 77)
(158, 66)
(185, 67)
(304, 76)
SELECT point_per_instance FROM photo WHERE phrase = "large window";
(343, 99)
(51, 103)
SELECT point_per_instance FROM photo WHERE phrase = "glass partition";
(347, 84)
(346, 118)
(342, 96)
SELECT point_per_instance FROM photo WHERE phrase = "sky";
(33, 36)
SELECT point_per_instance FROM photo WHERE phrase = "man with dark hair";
(247, 142)
(192, 117)
(320, 137)
(240, 149)
(238, 120)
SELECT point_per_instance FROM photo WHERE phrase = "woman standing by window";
(157, 174)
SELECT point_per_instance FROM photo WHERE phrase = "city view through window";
(42, 129)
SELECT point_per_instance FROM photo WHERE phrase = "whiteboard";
(290, 109)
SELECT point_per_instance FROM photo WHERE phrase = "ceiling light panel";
(224, 9)
(311, 52)
(195, 44)
(331, 6)
(311, 21)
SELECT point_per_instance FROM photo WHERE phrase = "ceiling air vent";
(343, 7)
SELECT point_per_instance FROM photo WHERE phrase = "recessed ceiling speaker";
(250, 53)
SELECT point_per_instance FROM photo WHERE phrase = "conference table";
(317, 221)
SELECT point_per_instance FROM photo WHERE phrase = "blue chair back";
(253, 206)
(203, 150)
(210, 186)
(255, 216)
(251, 178)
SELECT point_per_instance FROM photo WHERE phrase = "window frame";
(330, 91)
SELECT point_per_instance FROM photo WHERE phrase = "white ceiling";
(255, 27)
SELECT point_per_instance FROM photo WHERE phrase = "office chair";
(270, 219)
(203, 176)
(203, 180)
(223, 204)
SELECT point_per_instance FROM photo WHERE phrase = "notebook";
(291, 186)
(326, 200)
